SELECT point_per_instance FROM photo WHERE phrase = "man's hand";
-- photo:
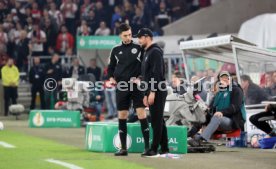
(145, 101)
(98, 97)
(112, 81)
(218, 114)
(136, 80)
(151, 98)
(50, 71)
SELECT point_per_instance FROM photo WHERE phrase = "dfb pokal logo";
(38, 119)
(117, 142)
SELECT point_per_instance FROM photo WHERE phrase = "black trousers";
(262, 125)
(10, 94)
(34, 91)
(160, 135)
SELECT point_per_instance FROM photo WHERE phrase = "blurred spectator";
(96, 100)
(15, 37)
(115, 30)
(253, 93)
(56, 14)
(3, 40)
(128, 11)
(102, 30)
(18, 13)
(22, 51)
(65, 40)
(179, 8)
(92, 21)
(76, 69)
(94, 69)
(268, 83)
(273, 86)
(162, 18)
(29, 25)
(3, 10)
(147, 14)
(37, 39)
(69, 9)
(10, 81)
(83, 30)
(46, 16)
(117, 15)
(51, 35)
(66, 62)
(100, 12)
(86, 7)
(37, 78)
(178, 83)
(138, 21)
(36, 13)
(210, 74)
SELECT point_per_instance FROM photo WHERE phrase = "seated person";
(270, 110)
(253, 93)
(178, 83)
(96, 101)
(226, 109)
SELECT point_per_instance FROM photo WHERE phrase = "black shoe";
(150, 153)
(121, 152)
(194, 142)
(145, 152)
(164, 152)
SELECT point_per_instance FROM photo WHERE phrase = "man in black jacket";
(125, 64)
(153, 76)
(37, 77)
(53, 71)
(76, 70)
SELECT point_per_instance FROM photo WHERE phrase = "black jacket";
(96, 72)
(57, 71)
(153, 67)
(255, 95)
(37, 76)
(125, 62)
(81, 71)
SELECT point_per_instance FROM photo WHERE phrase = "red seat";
(227, 134)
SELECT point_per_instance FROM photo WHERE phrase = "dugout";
(235, 55)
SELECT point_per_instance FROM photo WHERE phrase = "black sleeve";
(157, 68)
(59, 73)
(81, 70)
(112, 65)
(31, 75)
(235, 102)
(70, 72)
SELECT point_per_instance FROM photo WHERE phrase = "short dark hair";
(177, 74)
(246, 78)
(124, 27)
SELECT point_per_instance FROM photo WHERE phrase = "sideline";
(68, 165)
(6, 145)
